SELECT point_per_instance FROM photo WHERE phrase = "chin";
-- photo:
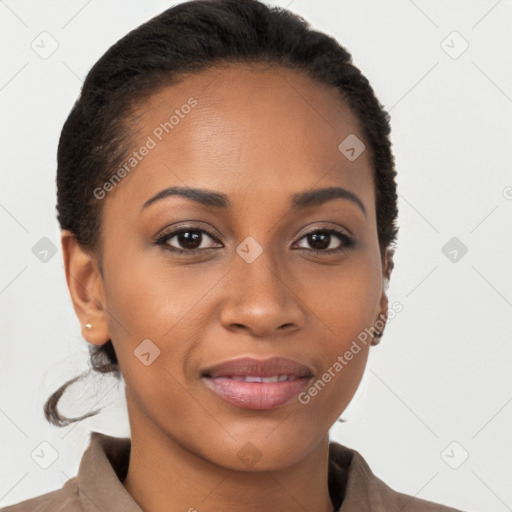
(258, 453)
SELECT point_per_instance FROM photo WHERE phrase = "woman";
(227, 199)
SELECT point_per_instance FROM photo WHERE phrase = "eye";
(327, 241)
(188, 240)
(191, 240)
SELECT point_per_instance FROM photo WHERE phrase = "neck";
(165, 476)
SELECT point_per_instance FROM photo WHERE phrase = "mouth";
(258, 384)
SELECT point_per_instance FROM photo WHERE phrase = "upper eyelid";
(169, 236)
(340, 234)
(175, 230)
(197, 224)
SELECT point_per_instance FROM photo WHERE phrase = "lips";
(257, 384)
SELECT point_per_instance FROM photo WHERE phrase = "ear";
(387, 267)
(85, 285)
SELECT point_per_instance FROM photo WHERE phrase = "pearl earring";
(88, 325)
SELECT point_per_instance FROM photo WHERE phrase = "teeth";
(253, 379)
(273, 378)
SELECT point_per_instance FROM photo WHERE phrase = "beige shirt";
(98, 486)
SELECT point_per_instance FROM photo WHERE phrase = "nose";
(260, 299)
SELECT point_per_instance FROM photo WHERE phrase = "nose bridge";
(258, 296)
(260, 277)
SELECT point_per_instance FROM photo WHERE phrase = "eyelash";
(347, 241)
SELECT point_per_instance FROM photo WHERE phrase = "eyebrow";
(299, 201)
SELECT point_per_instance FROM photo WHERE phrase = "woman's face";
(260, 283)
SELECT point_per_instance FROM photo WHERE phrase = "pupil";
(320, 241)
(189, 239)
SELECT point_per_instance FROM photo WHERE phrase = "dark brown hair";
(189, 38)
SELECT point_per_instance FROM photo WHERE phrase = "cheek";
(148, 297)
(332, 390)
(344, 303)
(343, 300)
(167, 305)
(157, 310)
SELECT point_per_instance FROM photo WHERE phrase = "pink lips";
(258, 384)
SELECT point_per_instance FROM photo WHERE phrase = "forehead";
(250, 131)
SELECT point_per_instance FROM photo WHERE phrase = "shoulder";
(64, 499)
(393, 500)
(365, 491)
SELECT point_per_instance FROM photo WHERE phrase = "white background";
(442, 371)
